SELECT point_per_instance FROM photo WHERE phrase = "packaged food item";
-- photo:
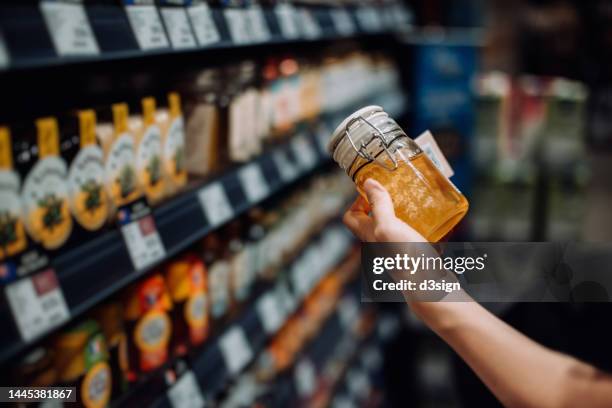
(369, 144)
(88, 197)
(149, 152)
(241, 275)
(81, 360)
(146, 312)
(186, 278)
(219, 268)
(110, 318)
(45, 192)
(173, 144)
(120, 158)
(13, 238)
(206, 116)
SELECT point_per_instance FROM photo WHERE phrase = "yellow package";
(45, 191)
(12, 231)
(149, 152)
(88, 197)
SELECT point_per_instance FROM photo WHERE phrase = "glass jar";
(370, 144)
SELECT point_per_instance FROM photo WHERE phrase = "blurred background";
(170, 230)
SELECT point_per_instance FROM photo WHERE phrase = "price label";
(203, 24)
(257, 24)
(348, 311)
(143, 242)
(342, 21)
(286, 169)
(147, 27)
(269, 312)
(253, 183)
(177, 25)
(69, 28)
(37, 303)
(185, 393)
(309, 24)
(285, 298)
(304, 152)
(238, 25)
(372, 358)
(358, 383)
(235, 349)
(215, 204)
(300, 277)
(287, 21)
(369, 19)
(305, 378)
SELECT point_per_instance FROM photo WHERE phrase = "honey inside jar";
(369, 144)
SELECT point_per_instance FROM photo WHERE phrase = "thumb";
(380, 202)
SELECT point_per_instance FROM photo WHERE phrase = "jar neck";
(386, 158)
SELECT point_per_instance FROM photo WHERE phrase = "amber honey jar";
(370, 144)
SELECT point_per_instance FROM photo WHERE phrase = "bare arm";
(519, 371)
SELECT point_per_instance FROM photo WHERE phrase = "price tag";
(253, 183)
(185, 393)
(305, 378)
(203, 24)
(369, 19)
(304, 152)
(285, 298)
(269, 312)
(372, 358)
(258, 26)
(37, 304)
(286, 169)
(238, 25)
(69, 28)
(287, 21)
(215, 204)
(143, 242)
(358, 383)
(309, 24)
(342, 21)
(235, 349)
(348, 311)
(177, 25)
(147, 27)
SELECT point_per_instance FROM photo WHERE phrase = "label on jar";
(120, 172)
(96, 386)
(88, 199)
(196, 316)
(429, 146)
(148, 163)
(218, 279)
(45, 201)
(151, 335)
(12, 231)
(174, 152)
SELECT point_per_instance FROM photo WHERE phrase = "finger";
(360, 224)
(380, 202)
(360, 205)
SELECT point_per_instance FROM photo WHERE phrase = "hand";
(382, 225)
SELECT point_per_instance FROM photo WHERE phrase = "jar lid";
(341, 129)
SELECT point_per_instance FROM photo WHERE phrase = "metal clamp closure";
(361, 150)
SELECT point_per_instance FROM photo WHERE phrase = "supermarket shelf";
(210, 367)
(28, 43)
(83, 273)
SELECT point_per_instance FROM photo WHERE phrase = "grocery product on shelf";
(44, 195)
(173, 144)
(35, 369)
(369, 144)
(81, 360)
(187, 284)
(148, 140)
(12, 231)
(120, 152)
(88, 197)
(147, 305)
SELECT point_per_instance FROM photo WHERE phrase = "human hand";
(374, 220)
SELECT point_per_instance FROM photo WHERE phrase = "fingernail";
(373, 184)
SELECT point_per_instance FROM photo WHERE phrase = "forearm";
(519, 371)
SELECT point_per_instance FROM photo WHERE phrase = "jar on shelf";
(370, 144)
